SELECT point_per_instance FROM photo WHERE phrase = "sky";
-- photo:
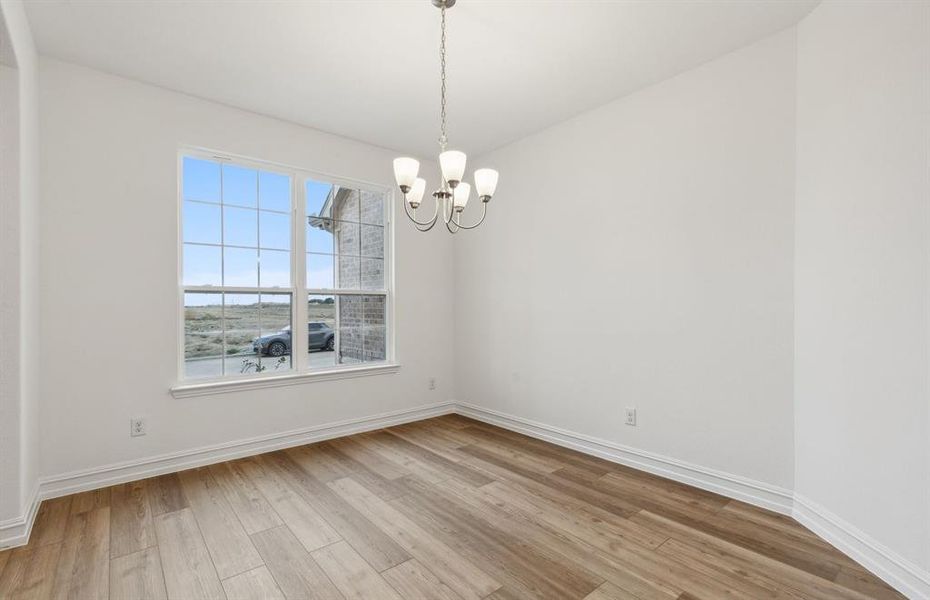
(249, 209)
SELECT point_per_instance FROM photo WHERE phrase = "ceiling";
(369, 69)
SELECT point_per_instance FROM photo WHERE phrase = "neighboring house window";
(265, 247)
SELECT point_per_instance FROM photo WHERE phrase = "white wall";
(10, 301)
(862, 249)
(109, 276)
(19, 220)
(641, 255)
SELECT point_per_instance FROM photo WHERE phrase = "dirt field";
(203, 325)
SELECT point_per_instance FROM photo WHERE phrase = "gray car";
(321, 337)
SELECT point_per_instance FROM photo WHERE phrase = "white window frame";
(301, 371)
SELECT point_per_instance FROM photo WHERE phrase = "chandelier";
(452, 195)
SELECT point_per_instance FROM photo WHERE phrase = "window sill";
(190, 390)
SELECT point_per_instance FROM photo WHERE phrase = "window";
(264, 247)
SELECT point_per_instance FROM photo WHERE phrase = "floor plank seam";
(656, 549)
(526, 516)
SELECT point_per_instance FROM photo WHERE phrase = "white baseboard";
(894, 569)
(901, 574)
(90, 479)
(733, 486)
(16, 531)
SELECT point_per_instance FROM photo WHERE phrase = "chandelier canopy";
(453, 193)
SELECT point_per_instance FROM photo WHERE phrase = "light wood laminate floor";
(446, 509)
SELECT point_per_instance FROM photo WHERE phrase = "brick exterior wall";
(361, 320)
(359, 243)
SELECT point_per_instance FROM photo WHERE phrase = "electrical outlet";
(432, 383)
(136, 426)
(631, 416)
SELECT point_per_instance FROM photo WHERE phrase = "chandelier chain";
(442, 66)
(452, 195)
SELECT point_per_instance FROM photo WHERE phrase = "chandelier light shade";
(405, 172)
(460, 196)
(452, 164)
(452, 196)
(416, 192)
(485, 183)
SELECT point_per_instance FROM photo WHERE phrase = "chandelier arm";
(451, 208)
(413, 217)
(450, 221)
(426, 228)
(484, 213)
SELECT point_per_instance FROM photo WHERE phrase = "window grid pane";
(345, 244)
(274, 268)
(344, 253)
(274, 230)
(228, 333)
(274, 192)
(201, 180)
(202, 264)
(203, 334)
(237, 232)
(346, 329)
(253, 214)
(202, 222)
(273, 346)
(240, 186)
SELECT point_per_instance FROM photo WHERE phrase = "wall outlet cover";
(631, 416)
(136, 426)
